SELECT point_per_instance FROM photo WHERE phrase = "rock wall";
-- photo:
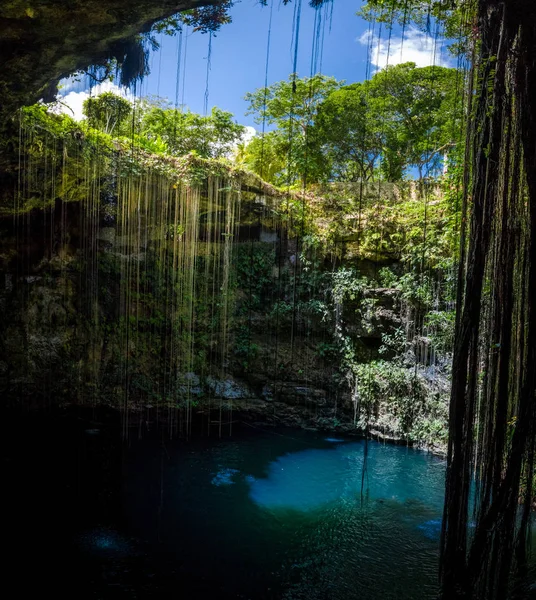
(91, 317)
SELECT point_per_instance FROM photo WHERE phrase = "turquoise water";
(280, 514)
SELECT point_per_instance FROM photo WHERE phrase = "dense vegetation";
(403, 118)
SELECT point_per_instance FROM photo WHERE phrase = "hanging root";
(492, 418)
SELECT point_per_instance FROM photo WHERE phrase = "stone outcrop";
(43, 41)
(104, 304)
(51, 353)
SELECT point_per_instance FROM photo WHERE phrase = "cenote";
(263, 264)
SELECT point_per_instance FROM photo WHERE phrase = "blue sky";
(238, 58)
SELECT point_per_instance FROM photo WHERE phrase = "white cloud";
(416, 46)
(249, 134)
(72, 103)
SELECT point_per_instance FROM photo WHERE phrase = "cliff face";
(174, 300)
(43, 41)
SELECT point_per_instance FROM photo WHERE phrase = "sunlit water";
(276, 514)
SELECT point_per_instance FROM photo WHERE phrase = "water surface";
(282, 514)
(275, 514)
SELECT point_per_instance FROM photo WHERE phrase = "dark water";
(264, 514)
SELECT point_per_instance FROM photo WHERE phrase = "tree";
(292, 107)
(492, 422)
(351, 135)
(265, 155)
(421, 108)
(161, 128)
(403, 117)
(211, 136)
(108, 112)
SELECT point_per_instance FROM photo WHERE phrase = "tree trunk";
(498, 306)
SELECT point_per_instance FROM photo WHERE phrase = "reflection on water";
(431, 528)
(106, 542)
(282, 516)
(224, 477)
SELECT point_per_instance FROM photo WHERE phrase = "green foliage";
(348, 285)
(253, 266)
(351, 134)
(413, 225)
(394, 342)
(382, 384)
(244, 349)
(153, 144)
(292, 106)
(62, 159)
(384, 223)
(266, 156)
(108, 113)
(328, 351)
(153, 125)
(399, 400)
(422, 110)
(281, 312)
(403, 117)
(386, 277)
(206, 19)
(179, 132)
(440, 324)
(417, 289)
